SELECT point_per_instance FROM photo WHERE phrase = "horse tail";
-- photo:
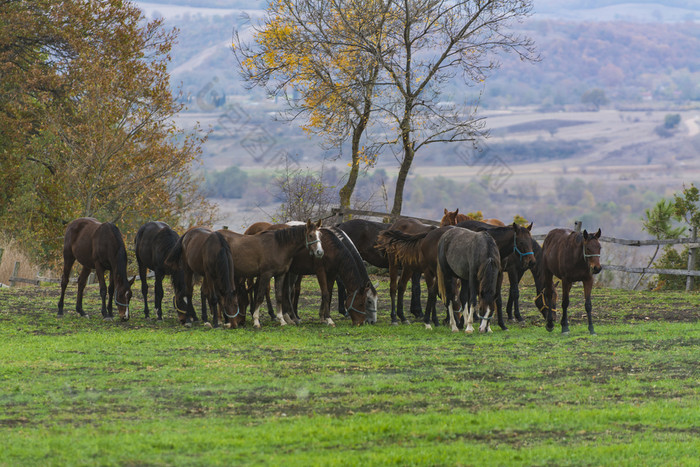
(224, 265)
(174, 258)
(441, 269)
(488, 279)
(405, 247)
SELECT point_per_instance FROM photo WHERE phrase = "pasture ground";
(77, 391)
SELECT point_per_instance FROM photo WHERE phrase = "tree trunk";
(347, 190)
(408, 155)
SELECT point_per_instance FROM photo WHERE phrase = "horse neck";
(291, 239)
(350, 273)
(504, 239)
(118, 265)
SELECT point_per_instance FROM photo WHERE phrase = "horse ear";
(529, 227)
(585, 234)
(308, 223)
(318, 224)
(515, 226)
(131, 282)
(446, 211)
(597, 234)
(456, 212)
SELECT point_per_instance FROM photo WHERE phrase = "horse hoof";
(405, 322)
(549, 329)
(428, 327)
(188, 324)
(593, 333)
(394, 323)
(207, 325)
(565, 333)
(60, 315)
(107, 318)
(256, 326)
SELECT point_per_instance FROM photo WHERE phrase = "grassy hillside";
(83, 391)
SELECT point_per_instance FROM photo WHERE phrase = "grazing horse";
(97, 246)
(340, 261)
(411, 227)
(512, 240)
(269, 254)
(454, 218)
(416, 252)
(472, 257)
(154, 240)
(204, 253)
(572, 257)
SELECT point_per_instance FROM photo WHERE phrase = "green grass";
(77, 391)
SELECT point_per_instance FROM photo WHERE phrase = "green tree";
(595, 97)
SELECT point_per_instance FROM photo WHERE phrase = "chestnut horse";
(454, 218)
(154, 240)
(97, 246)
(572, 257)
(201, 252)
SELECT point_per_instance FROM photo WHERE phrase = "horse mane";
(350, 250)
(349, 271)
(405, 247)
(120, 254)
(291, 234)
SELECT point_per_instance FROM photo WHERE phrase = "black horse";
(154, 240)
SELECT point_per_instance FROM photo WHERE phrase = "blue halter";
(516, 250)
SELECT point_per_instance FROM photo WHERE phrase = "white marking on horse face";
(318, 249)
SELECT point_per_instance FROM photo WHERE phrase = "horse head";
(591, 251)
(370, 304)
(122, 296)
(313, 238)
(359, 307)
(233, 314)
(449, 218)
(522, 245)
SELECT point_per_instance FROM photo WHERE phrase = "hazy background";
(552, 157)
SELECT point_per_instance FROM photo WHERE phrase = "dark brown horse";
(269, 254)
(154, 240)
(454, 218)
(411, 227)
(572, 257)
(97, 246)
(416, 253)
(201, 252)
(512, 240)
(340, 261)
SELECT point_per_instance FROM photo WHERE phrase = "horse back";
(363, 234)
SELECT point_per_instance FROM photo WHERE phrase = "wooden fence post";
(691, 261)
(15, 271)
(1, 252)
(577, 226)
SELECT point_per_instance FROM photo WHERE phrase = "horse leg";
(430, 303)
(565, 289)
(143, 272)
(393, 275)
(82, 280)
(587, 287)
(295, 302)
(498, 303)
(258, 297)
(472, 302)
(342, 296)
(280, 297)
(548, 299)
(100, 273)
(110, 292)
(287, 304)
(68, 260)
(401, 290)
(203, 297)
(416, 307)
(159, 295)
(325, 283)
(449, 296)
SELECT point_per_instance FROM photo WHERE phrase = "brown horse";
(411, 227)
(97, 246)
(454, 218)
(269, 254)
(572, 257)
(201, 252)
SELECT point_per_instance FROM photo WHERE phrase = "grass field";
(77, 391)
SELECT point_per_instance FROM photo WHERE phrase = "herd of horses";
(462, 262)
